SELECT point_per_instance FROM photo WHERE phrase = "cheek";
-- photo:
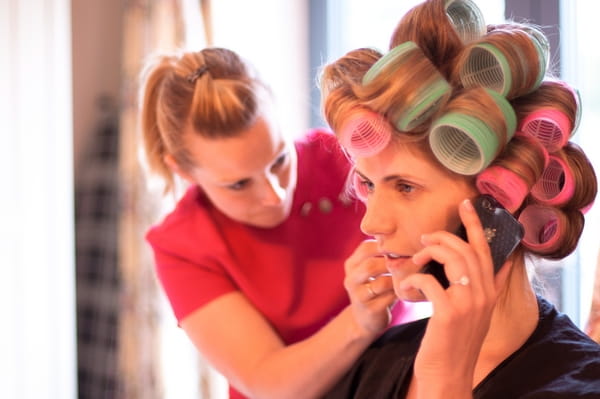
(230, 204)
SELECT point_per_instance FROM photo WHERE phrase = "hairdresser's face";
(408, 195)
(251, 177)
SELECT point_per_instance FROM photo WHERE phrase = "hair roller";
(556, 185)
(542, 45)
(543, 226)
(364, 133)
(411, 101)
(500, 61)
(550, 232)
(466, 143)
(507, 187)
(550, 126)
(466, 18)
(577, 98)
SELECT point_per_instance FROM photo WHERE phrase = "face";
(407, 195)
(251, 177)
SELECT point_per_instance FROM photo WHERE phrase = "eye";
(362, 187)
(239, 185)
(279, 162)
(404, 187)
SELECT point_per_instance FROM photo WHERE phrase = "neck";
(514, 319)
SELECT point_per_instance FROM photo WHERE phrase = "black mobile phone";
(502, 230)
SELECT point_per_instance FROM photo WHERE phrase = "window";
(578, 21)
(37, 339)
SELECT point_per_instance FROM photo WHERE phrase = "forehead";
(234, 158)
(403, 158)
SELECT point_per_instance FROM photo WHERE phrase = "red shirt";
(293, 273)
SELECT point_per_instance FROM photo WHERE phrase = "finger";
(456, 257)
(364, 250)
(479, 243)
(427, 286)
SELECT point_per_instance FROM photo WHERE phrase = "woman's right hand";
(370, 288)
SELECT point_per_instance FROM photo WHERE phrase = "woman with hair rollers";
(473, 170)
(252, 257)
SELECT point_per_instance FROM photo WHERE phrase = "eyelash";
(240, 185)
(404, 187)
(279, 161)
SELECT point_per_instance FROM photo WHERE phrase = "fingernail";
(424, 238)
(468, 205)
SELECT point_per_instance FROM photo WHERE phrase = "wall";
(96, 41)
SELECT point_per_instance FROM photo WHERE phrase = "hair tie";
(192, 77)
(364, 133)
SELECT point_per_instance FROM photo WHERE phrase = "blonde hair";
(396, 84)
(213, 91)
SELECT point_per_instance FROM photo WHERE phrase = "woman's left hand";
(445, 363)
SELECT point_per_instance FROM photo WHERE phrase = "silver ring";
(372, 293)
(464, 280)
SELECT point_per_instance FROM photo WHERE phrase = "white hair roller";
(466, 18)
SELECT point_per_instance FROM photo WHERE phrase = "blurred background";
(82, 314)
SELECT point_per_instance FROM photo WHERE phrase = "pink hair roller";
(505, 186)
(556, 185)
(586, 208)
(550, 126)
(365, 133)
(542, 227)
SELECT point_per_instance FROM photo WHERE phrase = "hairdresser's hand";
(370, 288)
(446, 360)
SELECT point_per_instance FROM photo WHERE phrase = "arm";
(450, 358)
(249, 353)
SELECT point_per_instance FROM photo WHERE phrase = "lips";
(396, 263)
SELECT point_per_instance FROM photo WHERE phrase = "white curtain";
(37, 337)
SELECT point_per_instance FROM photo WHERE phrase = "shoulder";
(318, 151)
(319, 142)
(188, 228)
(558, 359)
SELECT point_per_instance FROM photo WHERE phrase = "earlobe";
(175, 168)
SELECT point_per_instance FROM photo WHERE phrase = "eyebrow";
(387, 178)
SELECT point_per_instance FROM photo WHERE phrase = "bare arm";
(240, 343)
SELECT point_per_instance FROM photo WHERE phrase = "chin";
(270, 220)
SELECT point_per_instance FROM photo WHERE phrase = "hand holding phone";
(503, 233)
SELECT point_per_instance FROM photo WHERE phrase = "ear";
(175, 168)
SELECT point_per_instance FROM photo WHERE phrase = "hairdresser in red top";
(253, 257)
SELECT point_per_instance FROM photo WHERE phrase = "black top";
(557, 361)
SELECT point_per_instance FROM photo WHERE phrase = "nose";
(378, 220)
(273, 192)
